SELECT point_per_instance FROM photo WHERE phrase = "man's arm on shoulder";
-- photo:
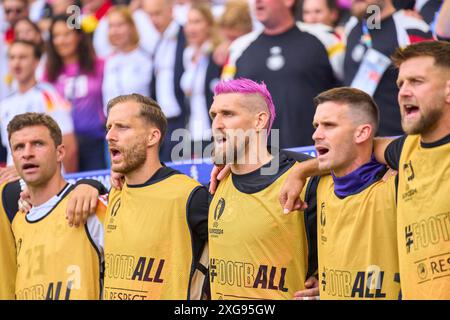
(10, 199)
(295, 182)
(198, 208)
(83, 201)
(388, 150)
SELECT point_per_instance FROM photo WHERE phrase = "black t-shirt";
(296, 68)
(429, 9)
(394, 149)
(384, 40)
(256, 181)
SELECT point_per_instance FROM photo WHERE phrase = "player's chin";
(324, 164)
(117, 167)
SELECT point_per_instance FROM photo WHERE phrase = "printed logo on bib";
(424, 235)
(408, 171)
(247, 275)
(111, 225)
(354, 284)
(216, 231)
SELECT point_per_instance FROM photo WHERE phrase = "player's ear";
(363, 133)
(60, 152)
(262, 121)
(153, 137)
(447, 91)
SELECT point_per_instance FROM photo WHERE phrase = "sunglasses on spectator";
(15, 10)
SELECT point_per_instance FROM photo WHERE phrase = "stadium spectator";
(128, 69)
(31, 96)
(235, 22)
(371, 39)
(14, 10)
(148, 35)
(26, 30)
(357, 214)
(320, 11)
(167, 69)
(443, 22)
(293, 75)
(201, 74)
(69, 259)
(94, 21)
(422, 160)
(77, 74)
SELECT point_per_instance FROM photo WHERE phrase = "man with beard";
(156, 225)
(422, 158)
(256, 252)
(373, 34)
(293, 75)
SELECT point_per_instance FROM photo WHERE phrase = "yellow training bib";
(357, 242)
(424, 220)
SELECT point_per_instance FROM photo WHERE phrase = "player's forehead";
(417, 66)
(227, 101)
(31, 133)
(124, 112)
(331, 110)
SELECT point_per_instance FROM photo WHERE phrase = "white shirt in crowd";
(193, 85)
(41, 98)
(148, 35)
(126, 73)
(37, 10)
(164, 64)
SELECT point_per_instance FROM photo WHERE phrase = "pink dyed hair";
(247, 86)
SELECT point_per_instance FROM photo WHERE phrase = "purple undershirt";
(359, 179)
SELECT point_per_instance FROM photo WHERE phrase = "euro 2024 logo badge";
(220, 207)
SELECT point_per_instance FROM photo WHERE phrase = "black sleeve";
(297, 156)
(311, 225)
(93, 183)
(198, 207)
(10, 199)
(393, 152)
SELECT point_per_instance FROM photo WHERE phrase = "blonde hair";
(237, 16)
(204, 9)
(126, 14)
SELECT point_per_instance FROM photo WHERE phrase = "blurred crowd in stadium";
(69, 58)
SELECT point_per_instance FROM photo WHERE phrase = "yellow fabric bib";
(148, 252)
(357, 242)
(424, 220)
(7, 255)
(55, 261)
(256, 251)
